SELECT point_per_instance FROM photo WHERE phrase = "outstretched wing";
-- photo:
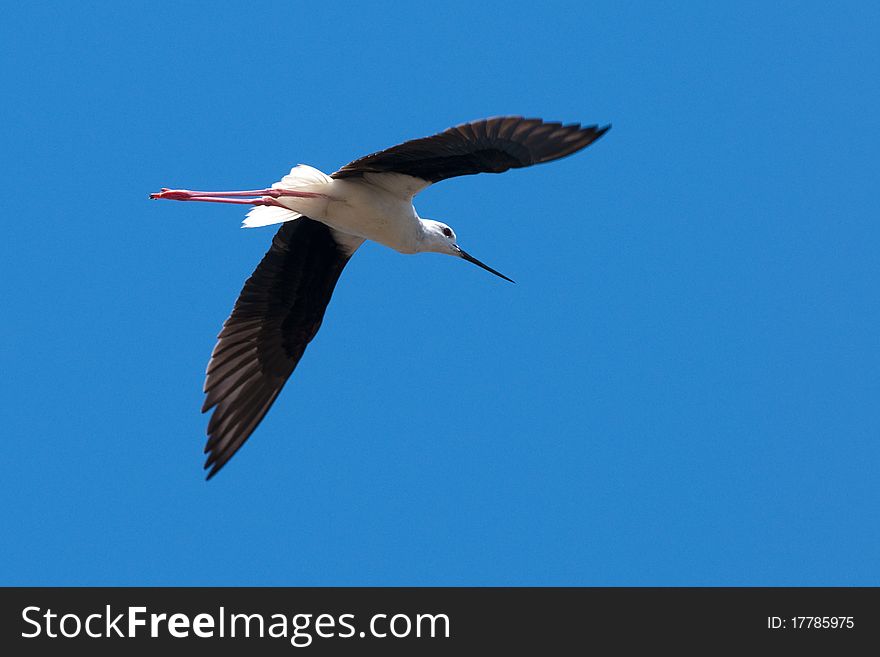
(278, 312)
(487, 146)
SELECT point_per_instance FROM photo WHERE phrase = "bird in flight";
(324, 221)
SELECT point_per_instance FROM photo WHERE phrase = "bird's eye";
(447, 232)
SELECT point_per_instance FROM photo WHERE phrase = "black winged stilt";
(324, 221)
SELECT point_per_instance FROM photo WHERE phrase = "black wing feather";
(487, 146)
(278, 312)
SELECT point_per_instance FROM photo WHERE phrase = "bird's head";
(440, 238)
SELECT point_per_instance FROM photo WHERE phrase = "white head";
(437, 237)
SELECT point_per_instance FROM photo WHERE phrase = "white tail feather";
(302, 174)
(266, 215)
(301, 177)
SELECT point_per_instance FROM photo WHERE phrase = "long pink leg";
(267, 196)
(263, 200)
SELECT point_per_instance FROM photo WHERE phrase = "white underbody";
(375, 207)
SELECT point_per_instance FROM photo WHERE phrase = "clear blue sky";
(682, 388)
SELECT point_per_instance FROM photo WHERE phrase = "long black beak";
(472, 259)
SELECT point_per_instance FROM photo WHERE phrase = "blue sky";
(681, 388)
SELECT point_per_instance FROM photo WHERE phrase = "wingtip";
(215, 468)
